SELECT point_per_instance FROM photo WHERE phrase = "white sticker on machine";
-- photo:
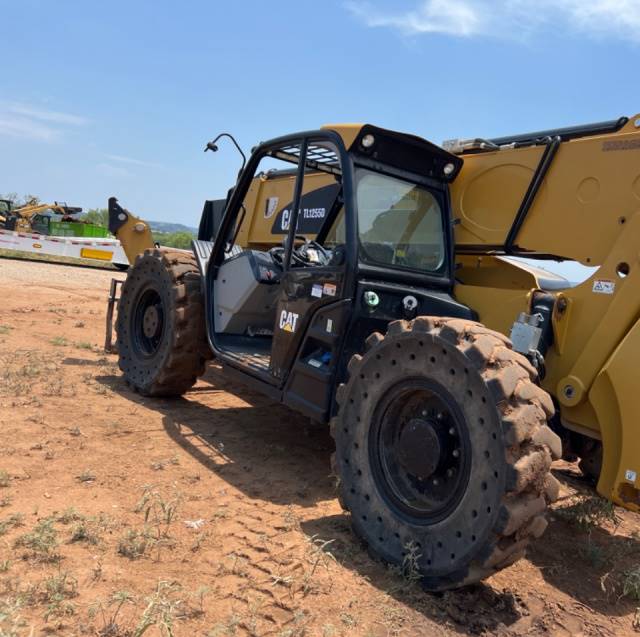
(316, 290)
(270, 207)
(630, 475)
(604, 286)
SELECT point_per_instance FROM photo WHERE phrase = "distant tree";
(99, 216)
(20, 201)
(180, 240)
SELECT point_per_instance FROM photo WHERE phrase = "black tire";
(443, 453)
(161, 338)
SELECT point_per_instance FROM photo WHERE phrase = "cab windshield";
(399, 223)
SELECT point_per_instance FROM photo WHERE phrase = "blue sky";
(119, 98)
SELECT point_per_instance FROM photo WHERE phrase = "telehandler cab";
(384, 311)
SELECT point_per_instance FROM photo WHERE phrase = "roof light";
(368, 141)
(448, 169)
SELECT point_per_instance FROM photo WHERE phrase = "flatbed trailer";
(94, 249)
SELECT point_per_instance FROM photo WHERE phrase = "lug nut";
(456, 453)
(452, 431)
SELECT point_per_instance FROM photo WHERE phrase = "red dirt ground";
(243, 533)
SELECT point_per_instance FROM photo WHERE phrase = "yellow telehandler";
(373, 280)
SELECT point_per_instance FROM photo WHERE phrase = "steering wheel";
(277, 254)
(300, 255)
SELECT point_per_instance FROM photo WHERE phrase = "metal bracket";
(112, 300)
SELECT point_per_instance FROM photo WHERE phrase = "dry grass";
(41, 543)
(133, 544)
(13, 521)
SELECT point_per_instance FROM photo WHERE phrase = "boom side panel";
(591, 189)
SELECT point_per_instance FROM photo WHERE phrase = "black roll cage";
(354, 270)
(241, 187)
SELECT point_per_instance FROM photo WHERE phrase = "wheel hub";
(151, 321)
(148, 322)
(419, 448)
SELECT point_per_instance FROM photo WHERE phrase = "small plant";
(12, 624)
(159, 514)
(70, 515)
(109, 611)
(5, 480)
(631, 583)
(133, 544)
(5, 565)
(55, 593)
(161, 611)
(594, 554)
(13, 521)
(85, 531)
(317, 554)
(348, 620)
(59, 341)
(291, 520)
(159, 465)
(5, 501)
(228, 628)
(4, 330)
(86, 476)
(588, 513)
(42, 541)
(83, 345)
(410, 567)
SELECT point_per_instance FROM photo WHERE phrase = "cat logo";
(288, 321)
(286, 218)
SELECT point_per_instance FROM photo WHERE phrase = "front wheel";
(161, 339)
(443, 453)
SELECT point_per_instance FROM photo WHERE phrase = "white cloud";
(24, 128)
(130, 160)
(113, 172)
(507, 19)
(24, 121)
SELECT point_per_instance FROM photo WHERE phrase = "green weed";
(41, 542)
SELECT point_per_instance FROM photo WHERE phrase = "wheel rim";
(148, 323)
(419, 450)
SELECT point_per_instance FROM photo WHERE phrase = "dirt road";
(215, 514)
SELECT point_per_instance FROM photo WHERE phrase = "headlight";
(368, 141)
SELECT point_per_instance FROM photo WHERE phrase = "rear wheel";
(442, 450)
(161, 338)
